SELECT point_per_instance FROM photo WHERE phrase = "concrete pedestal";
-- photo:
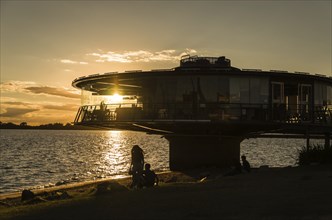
(327, 140)
(189, 152)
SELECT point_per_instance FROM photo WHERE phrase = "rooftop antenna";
(187, 55)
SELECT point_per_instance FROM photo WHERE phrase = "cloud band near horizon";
(34, 88)
(140, 56)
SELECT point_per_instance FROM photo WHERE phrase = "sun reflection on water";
(116, 153)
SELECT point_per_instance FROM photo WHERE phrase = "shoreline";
(265, 193)
(122, 178)
(70, 185)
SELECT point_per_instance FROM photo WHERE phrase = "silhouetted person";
(136, 166)
(245, 164)
(102, 106)
(236, 168)
(150, 178)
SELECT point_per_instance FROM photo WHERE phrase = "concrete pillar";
(327, 140)
(189, 151)
(308, 139)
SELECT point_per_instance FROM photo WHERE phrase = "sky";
(45, 45)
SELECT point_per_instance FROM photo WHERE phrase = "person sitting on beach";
(136, 166)
(245, 164)
(150, 178)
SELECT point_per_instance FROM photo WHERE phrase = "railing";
(199, 61)
(214, 112)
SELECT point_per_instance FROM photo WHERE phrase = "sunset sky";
(47, 44)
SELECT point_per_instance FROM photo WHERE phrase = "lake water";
(43, 158)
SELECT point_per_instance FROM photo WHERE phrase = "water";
(43, 158)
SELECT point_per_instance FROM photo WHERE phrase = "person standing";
(136, 166)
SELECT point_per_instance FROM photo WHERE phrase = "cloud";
(67, 107)
(36, 112)
(43, 114)
(16, 86)
(66, 61)
(19, 102)
(141, 56)
(52, 91)
(16, 103)
(16, 112)
(33, 88)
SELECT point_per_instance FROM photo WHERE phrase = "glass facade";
(329, 96)
(206, 96)
(323, 94)
(213, 89)
(87, 98)
(220, 97)
(249, 90)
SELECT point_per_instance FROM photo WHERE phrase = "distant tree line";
(51, 126)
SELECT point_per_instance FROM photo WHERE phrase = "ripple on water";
(43, 157)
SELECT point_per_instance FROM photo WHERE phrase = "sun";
(115, 98)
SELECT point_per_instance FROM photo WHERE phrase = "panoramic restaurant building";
(205, 107)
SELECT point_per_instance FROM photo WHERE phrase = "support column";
(189, 152)
(308, 139)
(327, 140)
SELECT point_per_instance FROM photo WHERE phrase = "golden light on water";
(115, 155)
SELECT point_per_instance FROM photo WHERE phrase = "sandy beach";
(265, 193)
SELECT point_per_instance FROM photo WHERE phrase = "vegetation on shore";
(51, 126)
(315, 154)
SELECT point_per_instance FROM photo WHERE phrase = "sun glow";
(116, 98)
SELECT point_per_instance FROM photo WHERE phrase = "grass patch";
(315, 154)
